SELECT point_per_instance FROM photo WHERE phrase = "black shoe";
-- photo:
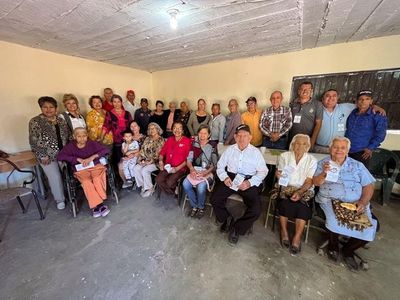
(225, 226)
(200, 213)
(295, 249)
(233, 237)
(193, 212)
(333, 255)
(351, 263)
(285, 244)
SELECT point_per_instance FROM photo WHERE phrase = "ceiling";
(136, 33)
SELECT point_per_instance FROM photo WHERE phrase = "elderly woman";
(148, 159)
(172, 159)
(117, 121)
(294, 189)
(95, 121)
(233, 120)
(345, 183)
(201, 162)
(48, 133)
(198, 117)
(84, 155)
(72, 113)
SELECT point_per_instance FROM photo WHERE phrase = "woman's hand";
(296, 196)
(360, 207)
(173, 170)
(193, 173)
(161, 164)
(45, 160)
(326, 167)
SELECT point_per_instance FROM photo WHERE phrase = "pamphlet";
(237, 181)
(80, 167)
(333, 174)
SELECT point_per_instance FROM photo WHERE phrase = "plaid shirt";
(279, 120)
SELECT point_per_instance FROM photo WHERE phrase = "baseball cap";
(130, 92)
(251, 99)
(243, 127)
(364, 93)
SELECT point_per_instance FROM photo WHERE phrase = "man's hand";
(274, 136)
(228, 182)
(367, 154)
(244, 185)
(378, 110)
(296, 196)
(278, 174)
(326, 167)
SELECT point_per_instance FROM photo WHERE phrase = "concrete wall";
(259, 76)
(27, 74)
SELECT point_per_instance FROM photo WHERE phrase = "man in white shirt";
(242, 169)
(129, 103)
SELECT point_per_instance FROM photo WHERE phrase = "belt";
(233, 175)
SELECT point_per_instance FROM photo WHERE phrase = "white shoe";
(148, 193)
(127, 184)
(60, 205)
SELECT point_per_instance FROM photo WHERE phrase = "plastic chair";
(18, 192)
(380, 167)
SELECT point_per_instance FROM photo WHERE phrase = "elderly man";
(172, 115)
(217, 125)
(241, 169)
(365, 129)
(275, 123)
(252, 118)
(307, 113)
(107, 103)
(129, 103)
(142, 116)
(334, 119)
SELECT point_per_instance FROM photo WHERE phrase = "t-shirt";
(304, 116)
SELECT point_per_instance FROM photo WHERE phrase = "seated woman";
(72, 113)
(84, 155)
(172, 159)
(147, 160)
(201, 162)
(343, 179)
(295, 172)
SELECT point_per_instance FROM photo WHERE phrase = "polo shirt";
(253, 121)
(367, 130)
(334, 123)
(304, 116)
(176, 152)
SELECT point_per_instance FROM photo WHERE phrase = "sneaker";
(96, 213)
(127, 184)
(104, 210)
(147, 193)
(60, 205)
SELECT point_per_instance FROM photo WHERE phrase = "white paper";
(103, 161)
(297, 119)
(285, 175)
(80, 167)
(333, 174)
(237, 181)
(168, 168)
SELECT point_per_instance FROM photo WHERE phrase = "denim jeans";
(279, 144)
(196, 201)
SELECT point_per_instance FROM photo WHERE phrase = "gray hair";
(75, 131)
(158, 128)
(340, 139)
(300, 136)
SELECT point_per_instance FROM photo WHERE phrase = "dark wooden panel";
(385, 85)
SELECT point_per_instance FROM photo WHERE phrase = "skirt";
(294, 209)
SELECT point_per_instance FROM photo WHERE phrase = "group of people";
(182, 146)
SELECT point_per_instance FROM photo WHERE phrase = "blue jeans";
(196, 201)
(279, 144)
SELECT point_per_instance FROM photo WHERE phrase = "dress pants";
(53, 175)
(251, 199)
(168, 182)
(143, 176)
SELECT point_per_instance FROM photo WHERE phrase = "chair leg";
(21, 204)
(268, 211)
(274, 217)
(184, 204)
(307, 231)
(35, 197)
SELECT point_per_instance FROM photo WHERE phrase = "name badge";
(340, 127)
(297, 119)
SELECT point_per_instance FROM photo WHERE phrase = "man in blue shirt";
(365, 129)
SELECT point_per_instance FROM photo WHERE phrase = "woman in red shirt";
(173, 156)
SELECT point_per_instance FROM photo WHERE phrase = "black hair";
(159, 102)
(92, 98)
(115, 96)
(308, 83)
(127, 131)
(204, 126)
(42, 100)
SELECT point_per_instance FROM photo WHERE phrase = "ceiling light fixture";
(173, 18)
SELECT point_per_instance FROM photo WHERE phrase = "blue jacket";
(366, 130)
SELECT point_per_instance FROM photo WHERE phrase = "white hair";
(340, 138)
(299, 135)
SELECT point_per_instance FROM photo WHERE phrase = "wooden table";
(24, 159)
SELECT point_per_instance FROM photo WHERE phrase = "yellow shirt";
(253, 121)
(94, 122)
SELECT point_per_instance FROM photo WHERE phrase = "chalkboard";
(385, 85)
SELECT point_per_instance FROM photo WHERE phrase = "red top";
(107, 105)
(175, 152)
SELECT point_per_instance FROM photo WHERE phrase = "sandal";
(200, 213)
(295, 249)
(285, 244)
(193, 212)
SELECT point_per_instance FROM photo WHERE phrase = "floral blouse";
(151, 149)
(43, 136)
(94, 122)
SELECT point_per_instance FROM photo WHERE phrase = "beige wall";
(259, 76)
(27, 74)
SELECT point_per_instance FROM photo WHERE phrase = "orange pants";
(94, 185)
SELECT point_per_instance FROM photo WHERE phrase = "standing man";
(241, 170)
(334, 119)
(365, 129)
(172, 115)
(129, 103)
(217, 125)
(252, 118)
(275, 123)
(307, 114)
(142, 116)
(233, 120)
(107, 103)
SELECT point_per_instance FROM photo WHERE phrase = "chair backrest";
(384, 163)
(16, 168)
